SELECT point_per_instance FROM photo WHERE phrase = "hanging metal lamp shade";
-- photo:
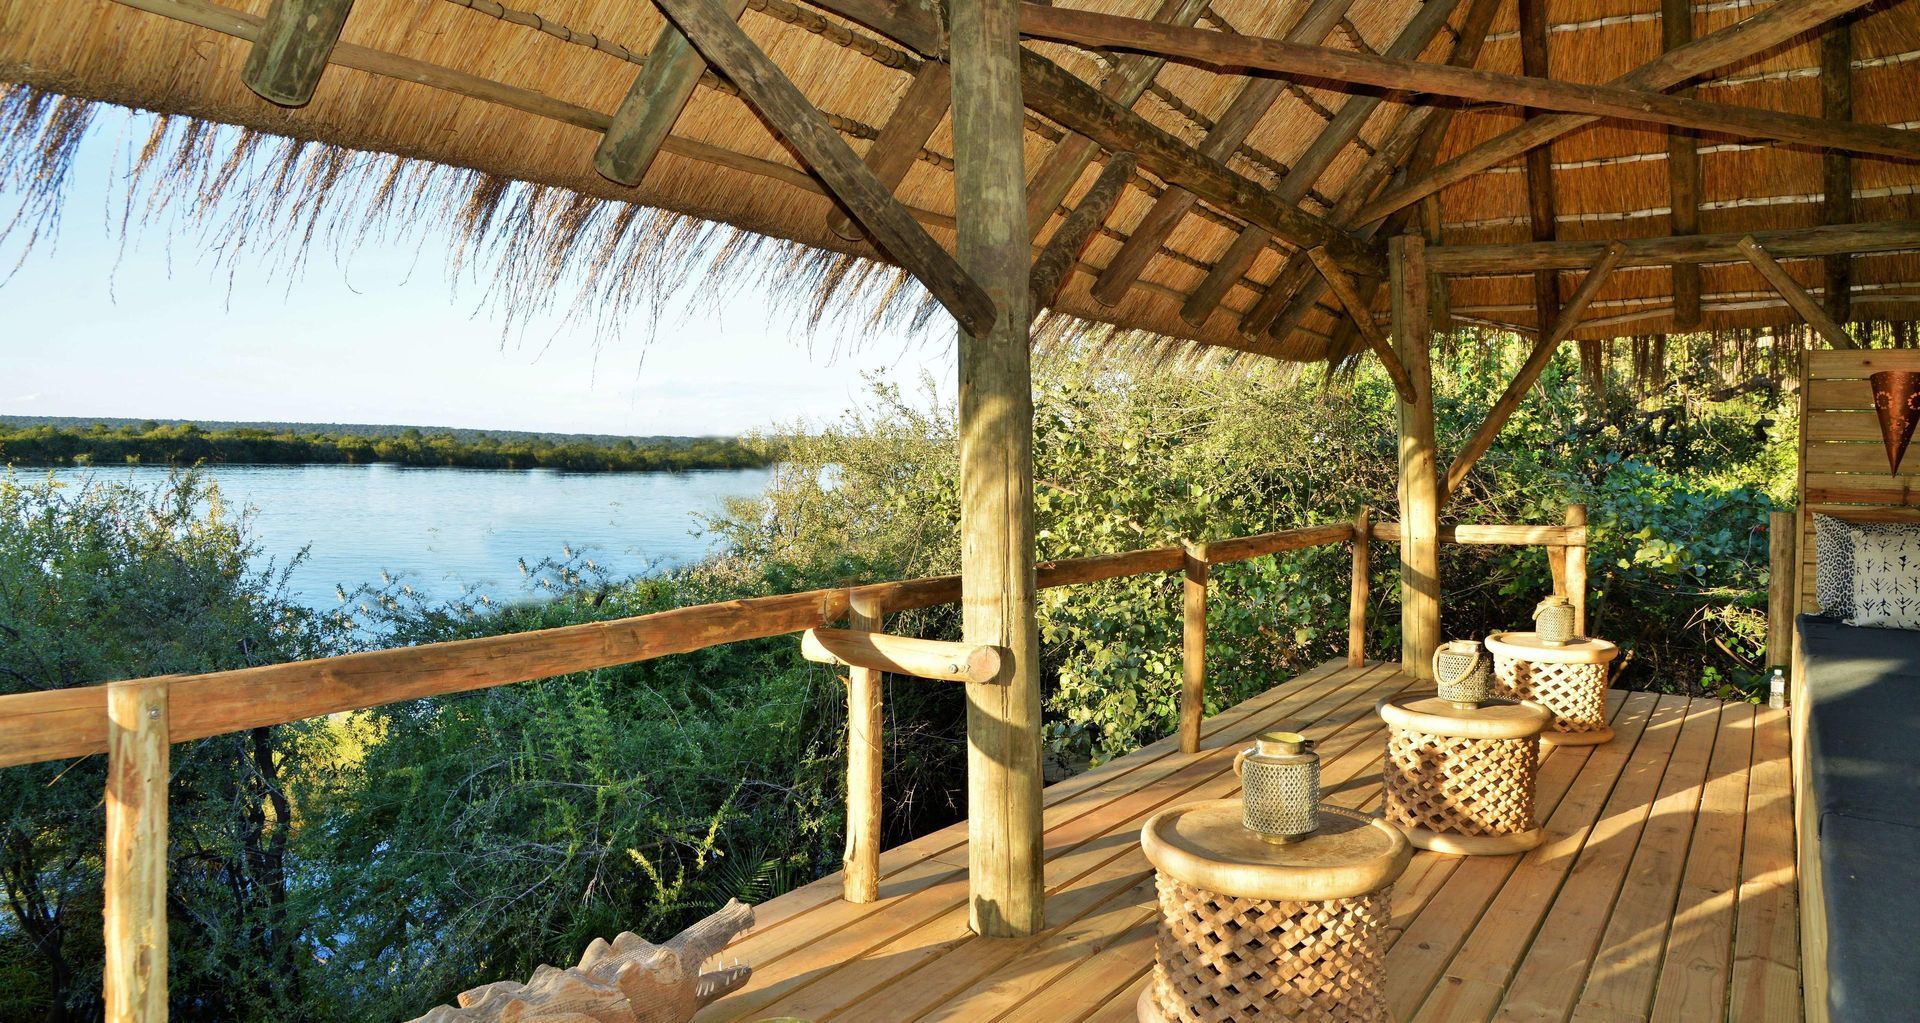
(1896, 399)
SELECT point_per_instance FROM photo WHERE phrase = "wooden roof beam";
(287, 58)
(1536, 363)
(1796, 296)
(653, 103)
(893, 153)
(1836, 103)
(1776, 24)
(1683, 174)
(1070, 157)
(722, 42)
(1362, 316)
(1256, 97)
(1539, 163)
(1787, 243)
(1088, 28)
(1064, 249)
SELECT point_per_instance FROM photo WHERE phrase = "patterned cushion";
(1886, 578)
(1833, 549)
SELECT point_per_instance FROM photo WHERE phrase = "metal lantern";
(1462, 673)
(1280, 786)
(1553, 621)
(1896, 399)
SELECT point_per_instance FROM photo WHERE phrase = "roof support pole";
(1683, 176)
(1006, 896)
(134, 976)
(1362, 317)
(290, 54)
(1541, 209)
(1836, 103)
(1419, 475)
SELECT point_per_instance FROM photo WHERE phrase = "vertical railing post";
(860, 881)
(1193, 649)
(1576, 570)
(134, 977)
(1357, 598)
(1781, 544)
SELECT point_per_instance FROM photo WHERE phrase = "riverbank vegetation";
(370, 866)
(48, 444)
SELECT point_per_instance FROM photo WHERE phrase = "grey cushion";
(1872, 873)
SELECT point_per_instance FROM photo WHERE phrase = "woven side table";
(1460, 780)
(1255, 932)
(1569, 680)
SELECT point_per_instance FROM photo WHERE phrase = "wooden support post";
(290, 54)
(1576, 568)
(1836, 104)
(1055, 262)
(134, 977)
(1004, 824)
(892, 154)
(1781, 577)
(1193, 649)
(1538, 165)
(1683, 175)
(1357, 595)
(1419, 477)
(866, 760)
(1796, 296)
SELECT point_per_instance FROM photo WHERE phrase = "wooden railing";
(134, 722)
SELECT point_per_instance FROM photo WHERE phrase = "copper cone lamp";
(1896, 398)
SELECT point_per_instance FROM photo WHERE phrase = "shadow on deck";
(1665, 890)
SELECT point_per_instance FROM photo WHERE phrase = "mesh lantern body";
(1553, 620)
(1280, 786)
(1462, 673)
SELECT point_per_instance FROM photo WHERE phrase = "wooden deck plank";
(1689, 795)
(1558, 961)
(1627, 964)
(1694, 969)
(1766, 948)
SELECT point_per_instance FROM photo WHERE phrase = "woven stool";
(1252, 931)
(1569, 680)
(1460, 780)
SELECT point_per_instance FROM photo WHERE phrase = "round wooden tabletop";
(1493, 719)
(1526, 646)
(1206, 846)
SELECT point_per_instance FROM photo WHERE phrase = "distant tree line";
(188, 443)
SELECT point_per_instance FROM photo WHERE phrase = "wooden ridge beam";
(655, 100)
(1683, 174)
(1536, 363)
(903, 655)
(1073, 104)
(1786, 243)
(1069, 157)
(893, 153)
(291, 51)
(1088, 28)
(1836, 103)
(1069, 243)
(1776, 24)
(1255, 98)
(1796, 296)
(1343, 289)
(722, 42)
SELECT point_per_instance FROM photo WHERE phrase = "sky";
(153, 328)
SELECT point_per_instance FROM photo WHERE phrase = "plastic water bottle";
(1777, 689)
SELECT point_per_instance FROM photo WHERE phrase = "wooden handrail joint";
(904, 655)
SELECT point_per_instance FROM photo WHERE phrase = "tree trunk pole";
(1419, 474)
(1577, 571)
(1004, 826)
(1193, 649)
(1780, 583)
(860, 880)
(1357, 598)
(134, 977)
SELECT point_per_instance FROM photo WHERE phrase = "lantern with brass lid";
(1280, 786)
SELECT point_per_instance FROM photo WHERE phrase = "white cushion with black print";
(1886, 578)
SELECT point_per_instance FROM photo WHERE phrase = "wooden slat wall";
(1843, 461)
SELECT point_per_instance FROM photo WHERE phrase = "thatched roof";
(552, 70)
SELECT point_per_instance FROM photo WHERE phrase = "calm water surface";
(443, 529)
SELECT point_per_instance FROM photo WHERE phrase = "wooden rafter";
(893, 153)
(1785, 243)
(1683, 174)
(1772, 26)
(1277, 56)
(1536, 363)
(1538, 167)
(1064, 249)
(1362, 316)
(722, 42)
(1795, 295)
(1836, 103)
(290, 53)
(1256, 97)
(653, 103)
(1070, 157)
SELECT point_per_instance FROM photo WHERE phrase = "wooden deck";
(1665, 891)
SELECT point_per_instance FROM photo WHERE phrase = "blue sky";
(152, 329)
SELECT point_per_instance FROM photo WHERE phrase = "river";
(441, 529)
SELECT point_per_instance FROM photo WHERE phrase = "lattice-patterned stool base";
(1575, 693)
(1461, 781)
(1227, 960)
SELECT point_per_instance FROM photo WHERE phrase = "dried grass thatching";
(511, 179)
